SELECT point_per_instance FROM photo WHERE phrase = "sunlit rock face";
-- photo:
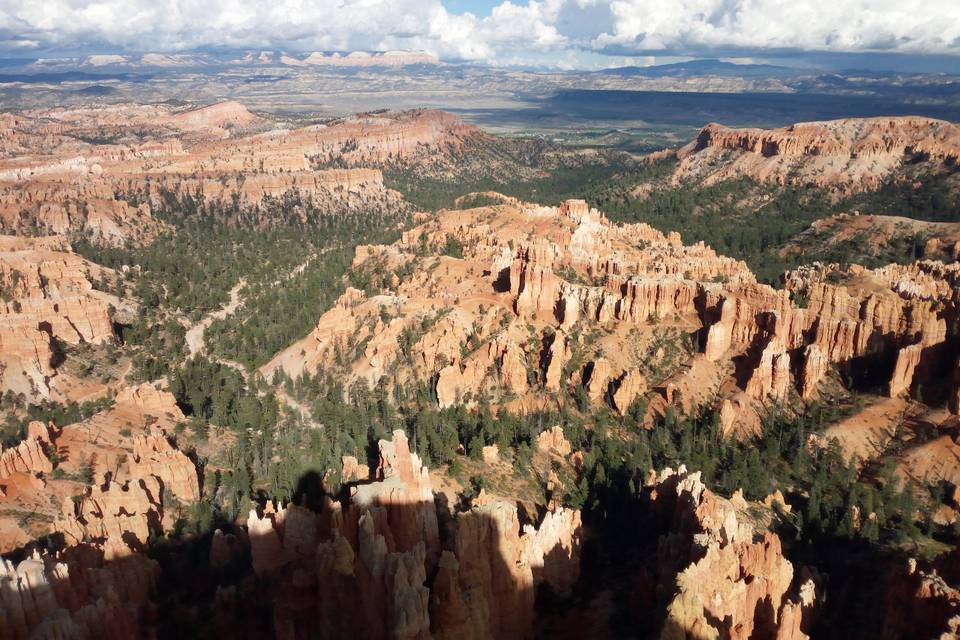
(848, 155)
(134, 473)
(100, 172)
(47, 296)
(731, 580)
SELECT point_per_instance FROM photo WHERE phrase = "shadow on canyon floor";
(210, 585)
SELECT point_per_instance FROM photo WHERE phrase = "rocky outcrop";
(731, 581)
(53, 180)
(405, 493)
(598, 380)
(553, 441)
(490, 580)
(901, 310)
(139, 483)
(27, 457)
(814, 369)
(222, 115)
(266, 547)
(630, 386)
(771, 378)
(558, 355)
(46, 297)
(120, 513)
(921, 604)
(374, 565)
(849, 155)
(907, 360)
(76, 594)
(153, 455)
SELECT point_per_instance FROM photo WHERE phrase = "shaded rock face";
(378, 566)
(849, 155)
(923, 603)
(728, 580)
(363, 567)
(76, 594)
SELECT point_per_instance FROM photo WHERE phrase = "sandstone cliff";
(378, 565)
(100, 172)
(849, 155)
(47, 296)
(732, 581)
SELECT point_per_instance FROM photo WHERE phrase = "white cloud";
(538, 30)
(916, 26)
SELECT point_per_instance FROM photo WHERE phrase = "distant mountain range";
(245, 58)
(698, 68)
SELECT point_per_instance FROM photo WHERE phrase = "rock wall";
(730, 581)
(848, 155)
(894, 324)
(76, 594)
(379, 566)
(46, 295)
(53, 179)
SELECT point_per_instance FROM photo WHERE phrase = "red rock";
(27, 457)
(631, 385)
(153, 455)
(735, 571)
(599, 379)
(559, 354)
(907, 360)
(553, 441)
(772, 375)
(814, 369)
(849, 155)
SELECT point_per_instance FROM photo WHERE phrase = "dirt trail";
(195, 334)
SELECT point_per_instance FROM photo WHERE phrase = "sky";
(562, 34)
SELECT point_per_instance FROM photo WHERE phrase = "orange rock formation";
(97, 171)
(851, 155)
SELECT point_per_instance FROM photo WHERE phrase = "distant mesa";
(364, 59)
(395, 58)
(167, 60)
(104, 60)
(846, 155)
(219, 115)
(96, 90)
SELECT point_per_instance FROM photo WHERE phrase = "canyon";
(92, 173)
(469, 441)
(520, 314)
